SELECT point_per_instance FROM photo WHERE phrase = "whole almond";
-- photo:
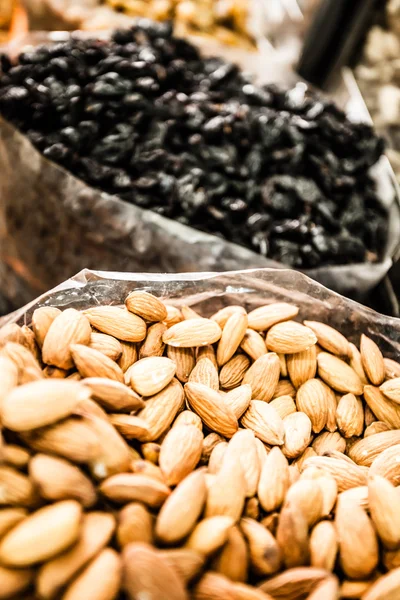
(331, 424)
(375, 427)
(311, 399)
(42, 535)
(290, 337)
(308, 452)
(327, 589)
(115, 454)
(297, 432)
(180, 452)
(306, 495)
(358, 545)
(329, 338)
(192, 333)
(217, 458)
(284, 388)
(265, 422)
(284, 406)
(350, 416)
(161, 409)
(205, 373)
(209, 405)
(147, 574)
(207, 352)
(187, 563)
(263, 376)
(187, 417)
(106, 344)
(391, 389)
(92, 363)
(174, 315)
(242, 448)
(295, 583)
(327, 441)
(113, 395)
(253, 344)
(387, 587)
(130, 427)
(392, 368)
(338, 374)
(182, 509)
(274, 480)
(239, 399)
(42, 318)
(366, 450)
(233, 371)
(135, 524)
(189, 313)
(232, 336)
(372, 360)
(385, 410)
(292, 536)
(12, 333)
(145, 467)
(184, 360)
(149, 376)
(387, 464)
(13, 582)
(153, 344)
(69, 327)
(346, 473)
(57, 479)
(383, 501)
(27, 365)
(232, 562)
(41, 403)
(264, 317)
(227, 493)
(356, 363)
(9, 377)
(215, 586)
(132, 487)
(221, 317)
(323, 545)
(129, 355)
(9, 517)
(210, 534)
(302, 366)
(265, 556)
(146, 305)
(16, 488)
(117, 322)
(100, 580)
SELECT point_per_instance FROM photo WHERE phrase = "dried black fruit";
(145, 117)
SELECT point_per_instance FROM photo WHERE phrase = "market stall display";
(189, 449)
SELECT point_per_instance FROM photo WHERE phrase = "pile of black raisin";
(145, 117)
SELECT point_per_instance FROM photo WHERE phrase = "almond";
(331, 424)
(292, 536)
(323, 545)
(297, 432)
(386, 587)
(385, 410)
(132, 487)
(115, 454)
(207, 352)
(27, 365)
(100, 580)
(263, 376)
(16, 488)
(189, 313)
(12, 333)
(295, 583)
(217, 458)
(42, 535)
(290, 337)
(391, 389)
(311, 399)
(130, 427)
(265, 422)
(375, 427)
(153, 344)
(174, 316)
(42, 318)
(338, 374)
(327, 589)
(284, 388)
(9, 517)
(239, 399)
(180, 452)
(205, 373)
(274, 480)
(8, 376)
(265, 556)
(242, 448)
(384, 500)
(356, 363)
(182, 509)
(253, 344)
(187, 563)
(192, 333)
(325, 442)
(145, 467)
(146, 305)
(372, 360)
(117, 322)
(160, 410)
(129, 355)
(227, 493)
(13, 582)
(214, 412)
(92, 363)
(365, 451)
(392, 368)
(232, 561)
(210, 534)
(149, 376)
(222, 316)
(264, 317)
(41, 403)
(232, 336)
(187, 417)
(302, 366)
(135, 524)
(233, 371)
(184, 360)
(387, 464)
(106, 344)
(346, 473)
(113, 395)
(329, 338)
(284, 406)
(69, 327)
(350, 416)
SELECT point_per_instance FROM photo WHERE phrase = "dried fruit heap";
(145, 117)
(148, 452)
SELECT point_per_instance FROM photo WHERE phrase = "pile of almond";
(149, 453)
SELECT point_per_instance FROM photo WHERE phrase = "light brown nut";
(297, 432)
(385, 410)
(174, 315)
(232, 561)
(226, 495)
(365, 451)
(187, 417)
(148, 574)
(387, 587)
(209, 443)
(239, 399)
(295, 583)
(217, 458)
(132, 487)
(329, 338)
(41, 403)
(358, 545)
(115, 454)
(356, 363)
(100, 580)
(311, 399)
(264, 553)
(57, 479)
(42, 535)
(184, 360)
(182, 509)
(92, 363)
(350, 416)
(16, 488)
(189, 313)
(129, 355)
(192, 333)
(284, 388)
(284, 406)
(153, 344)
(323, 545)
(207, 352)
(292, 536)
(106, 344)
(209, 405)
(117, 322)
(391, 389)
(214, 586)
(231, 338)
(346, 473)
(264, 317)
(180, 452)
(146, 305)
(274, 480)
(130, 427)
(387, 464)
(290, 337)
(27, 365)
(242, 449)
(308, 453)
(149, 376)
(392, 368)
(42, 318)
(263, 376)
(160, 410)
(331, 424)
(145, 467)
(306, 495)
(9, 377)
(302, 366)
(113, 395)
(253, 344)
(372, 360)
(327, 589)
(12, 333)
(135, 524)
(13, 582)
(205, 373)
(383, 502)
(187, 563)
(265, 422)
(375, 427)
(326, 441)
(210, 534)
(222, 316)
(338, 374)
(69, 327)
(233, 371)
(9, 517)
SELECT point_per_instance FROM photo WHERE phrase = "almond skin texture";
(329, 338)
(384, 502)
(290, 337)
(372, 360)
(160, 410)
(106, 344)
(180, 452)
(302, 366)
(193, 333)
(205, 372)
(265, 422)
(263, 376)
(128, 487)
(209, 405)
(391, 389)
(253, 344)
(100, 580)
(117, 322)
(146, 306)
(338, 374)
(297, 432)
(232, 373)
(42, 318)
(264, 317)
(70, 327)
(184, 360)
(149, 376)
(274, 480)
(311, 399)
(92, 363)
(113, 395)
(232, 335)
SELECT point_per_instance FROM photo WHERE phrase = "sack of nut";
(230, 436)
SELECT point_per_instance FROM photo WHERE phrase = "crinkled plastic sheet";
(53, 225)
(208, 292)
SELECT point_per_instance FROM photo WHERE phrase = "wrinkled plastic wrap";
(208, 292)
(52, 224)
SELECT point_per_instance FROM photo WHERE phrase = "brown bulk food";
(185, 489)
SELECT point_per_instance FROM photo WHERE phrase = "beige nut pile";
(148, 453)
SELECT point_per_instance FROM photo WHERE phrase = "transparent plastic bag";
(208, 292)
